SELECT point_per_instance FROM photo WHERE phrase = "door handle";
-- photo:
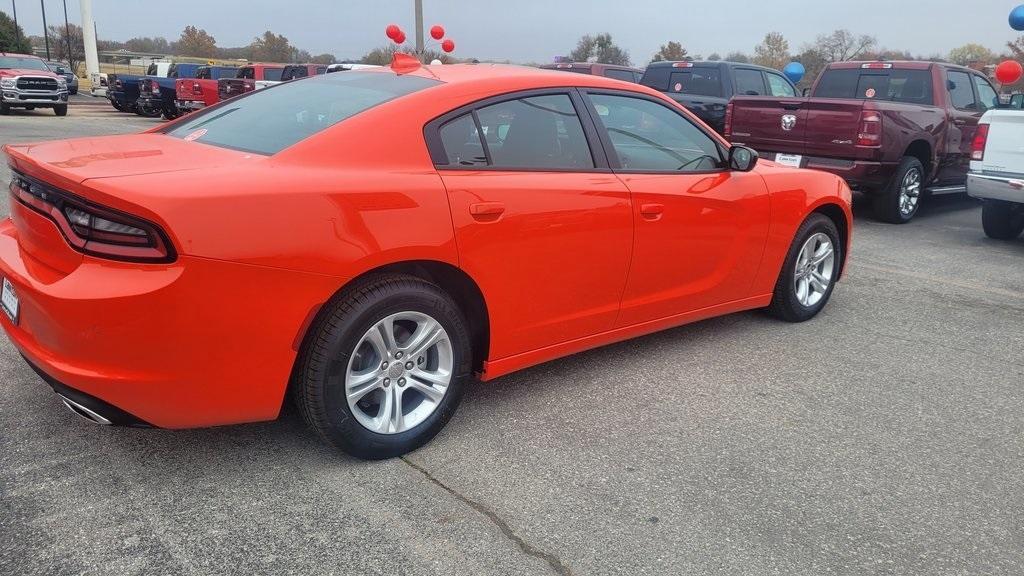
(652, 211)
(790, 106)
(487, 209)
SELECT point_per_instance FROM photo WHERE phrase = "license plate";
(789, 159)
(9, 301)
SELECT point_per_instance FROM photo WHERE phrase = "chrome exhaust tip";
(83, 411)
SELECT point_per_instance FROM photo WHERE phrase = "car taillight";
(682, 64)
(870, 133)
(197, 88)
(979, 142)
(728, 120)
(154, 86)
(94, 229)
(118, 84)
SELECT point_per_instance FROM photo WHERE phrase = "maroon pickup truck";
(896, 131)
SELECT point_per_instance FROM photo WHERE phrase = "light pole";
(419, 26)
(67, 35)
(17, 31)
(46, 34)
(92, 61)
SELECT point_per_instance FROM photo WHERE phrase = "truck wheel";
(384, 367)
(899, 201)
(5, 109)
(61, 110)
(1002, 220)
(171, 112)
(30, 107)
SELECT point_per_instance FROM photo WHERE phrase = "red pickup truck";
(195, 93)
(256, 76)
(896, 131)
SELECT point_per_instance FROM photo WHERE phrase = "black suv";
(706, 87)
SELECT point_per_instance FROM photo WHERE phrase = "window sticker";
(195, 135)
(869, 93)
(678, 87)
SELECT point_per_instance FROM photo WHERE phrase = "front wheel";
(61, 110)
(1002, 220)
(899, 201)
(809, 272)
(4, 109)
(384, 367)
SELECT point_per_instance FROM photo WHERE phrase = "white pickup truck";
(997, 172)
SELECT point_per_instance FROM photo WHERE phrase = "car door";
(541, 223)
(964, 113)
(700, 229)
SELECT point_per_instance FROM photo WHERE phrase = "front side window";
(648, 136)
(961, 94)
(777, 86)
(987, 95)
(749, 82)
(268, 121)
(538, 132)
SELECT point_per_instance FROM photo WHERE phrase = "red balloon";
(1009, 72)
(448, 45)
(392, 31)
(437, 32)
(400, 39)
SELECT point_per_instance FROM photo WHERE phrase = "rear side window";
(961, 94)
(539, 132)
(272, 74)
(777, 86)
(626, 75)
(987, 96)
(270, 120)
(909, 86)
(462, 143)
(247, 72)
(749, 82)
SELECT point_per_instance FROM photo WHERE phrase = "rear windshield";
(220, 72)
(23, 62)
(910, 86)
(699, 81)
(272, 74)
(270, 120)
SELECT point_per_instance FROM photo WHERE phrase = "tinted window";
(910, 86)
(749, 82)
(461, 141)
(698, 81)
(203, 74)
(626, 75)
(961, 94)
(537, 132)
(272, 74)
(246, 72)
(217, 73)
(987, 95)
(270, 120)
(650, 137)
(1017, 101)
(778, 86)
(23, 62)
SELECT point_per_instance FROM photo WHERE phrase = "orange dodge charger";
(369, 242)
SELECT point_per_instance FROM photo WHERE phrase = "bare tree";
(843, 45)
(64, 36)
(600, 48)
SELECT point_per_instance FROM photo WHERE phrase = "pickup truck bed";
(997, 173)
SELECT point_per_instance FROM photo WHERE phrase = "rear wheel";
(147, 111)
(899, 201)
(809, 272)
(1002, 220)
(384, 367)
(61, 110)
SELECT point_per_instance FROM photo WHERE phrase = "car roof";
(588, 65)
(513, 74)
(707, 64)
(905, 64)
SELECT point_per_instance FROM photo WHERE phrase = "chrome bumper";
(190, 105)
(17, 97)
(992, 187)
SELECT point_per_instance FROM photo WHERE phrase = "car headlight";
(62, 83)
(8, 83)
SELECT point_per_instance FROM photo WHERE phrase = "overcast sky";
(537, 30)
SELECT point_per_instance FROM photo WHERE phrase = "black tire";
(148, 112)
(887, 201)
(171, 112)
(74, 91)
(319, 385)
(4, 109)
(61, 110)
(30, 107)
(785, 303)
(1002, 220)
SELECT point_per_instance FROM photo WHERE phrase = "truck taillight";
(197, 88)
(979, 142)
(728, 120)
(870, 133)
(154, 86)
(94, 229)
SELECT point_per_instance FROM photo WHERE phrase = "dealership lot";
(885, 436)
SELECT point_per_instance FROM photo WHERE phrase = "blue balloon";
(794, 71)
(1017, 18)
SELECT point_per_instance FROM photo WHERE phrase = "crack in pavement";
(553, 561)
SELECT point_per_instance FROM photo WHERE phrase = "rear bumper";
(150, 102)
(189, 105)
(861, 175)
(992, 187)
(89, 407)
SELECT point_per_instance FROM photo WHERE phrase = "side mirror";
(742, 159)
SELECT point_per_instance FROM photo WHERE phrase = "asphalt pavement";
(884, 437)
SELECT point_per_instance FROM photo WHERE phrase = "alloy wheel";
(910, 192)
(815, 266)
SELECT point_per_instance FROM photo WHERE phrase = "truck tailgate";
(1003, 150)
(769, 124)
(832, 128)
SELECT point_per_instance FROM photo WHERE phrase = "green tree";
(196, 42)
(60, 38)
(12, 38)
(843, 45)
(673, 51)
(813, 63)
(323, 59)
(272, 47)
(970, 54)
(773, 51)
(382, 56)
(155, 45)
(600, 48)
